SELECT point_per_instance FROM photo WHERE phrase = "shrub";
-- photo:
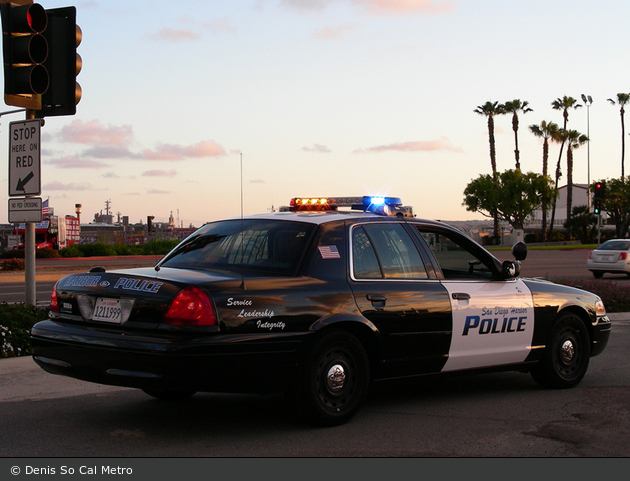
(71, 251)
(16, 321)
(616, 296)
(46, 253)
(12, 265)
(98, 249)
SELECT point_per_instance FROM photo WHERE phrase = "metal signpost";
(25, 180)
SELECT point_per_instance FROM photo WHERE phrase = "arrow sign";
(21, 183)
(25, 158)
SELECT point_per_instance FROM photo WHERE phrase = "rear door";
(400, 295)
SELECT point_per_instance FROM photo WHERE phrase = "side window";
(455, 260)
(385, 251)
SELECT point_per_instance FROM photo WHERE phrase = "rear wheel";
(598, 274)
(333, 379)
(566, 356)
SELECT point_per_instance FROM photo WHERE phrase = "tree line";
(512, 196)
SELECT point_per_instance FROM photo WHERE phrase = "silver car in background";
(612, 256)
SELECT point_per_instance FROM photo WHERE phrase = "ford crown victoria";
(317, 302)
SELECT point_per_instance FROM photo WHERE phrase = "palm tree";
(561, 138)
(622, 100)
(564, 104)
(514, 107)
(574, 140)
(546, 131)
(490, 109)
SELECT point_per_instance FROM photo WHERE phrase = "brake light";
(191, 307)
(623, 256)
(54, 303)
(590, 255)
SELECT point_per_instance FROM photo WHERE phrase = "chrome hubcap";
(567, 351)
(336, 377)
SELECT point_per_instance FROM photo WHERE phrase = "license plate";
(107, 310)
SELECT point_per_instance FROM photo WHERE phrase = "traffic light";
(25, 50)
(599, 195)
(599, 190)
(63, 63)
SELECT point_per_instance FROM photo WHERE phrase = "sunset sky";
(321, 98)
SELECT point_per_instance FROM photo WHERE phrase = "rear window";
(615, 245)
(262, 245)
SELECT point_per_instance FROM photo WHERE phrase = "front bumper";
(213, 363)
(601, 334)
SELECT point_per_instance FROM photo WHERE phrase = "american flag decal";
(329, 252)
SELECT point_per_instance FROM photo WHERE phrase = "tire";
(598, 274)
(567, 355)
(332, 381)
(170, 394)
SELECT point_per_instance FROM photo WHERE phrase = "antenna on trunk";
(242, 233)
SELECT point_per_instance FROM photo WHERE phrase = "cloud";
(178, 152)
(70, 162)
(405, 6)
(167, 34)
(112, 142)
(306, 5)
(330, 33)
(376, 6)
(56, 185)
(93, 132)
(219, 25)
(322, 149)
(257, 181)
(159, 173)
(158, 191)
(417, 146)
(109, 152)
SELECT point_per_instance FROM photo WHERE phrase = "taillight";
(623, 256)
(590, 255)
(54, 303)
(191, 307)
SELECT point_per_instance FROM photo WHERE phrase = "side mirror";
(510, 269)
(519, 251)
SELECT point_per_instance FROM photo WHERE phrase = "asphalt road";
(481, 416)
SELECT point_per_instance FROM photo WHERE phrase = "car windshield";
(254, 244)
(615, 245)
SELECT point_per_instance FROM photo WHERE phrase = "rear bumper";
(620, 267)
(216, 363)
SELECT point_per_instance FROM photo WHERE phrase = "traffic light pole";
(30, 268)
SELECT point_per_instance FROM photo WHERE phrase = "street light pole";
(588, 100)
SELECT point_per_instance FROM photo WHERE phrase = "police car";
(317, 301)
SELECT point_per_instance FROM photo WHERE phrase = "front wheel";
(566, 356)
(333, 379)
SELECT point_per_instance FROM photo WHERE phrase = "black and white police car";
(317, 302)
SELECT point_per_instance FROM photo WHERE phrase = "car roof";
(321, 217)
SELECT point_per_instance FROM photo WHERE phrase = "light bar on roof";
(375, 204)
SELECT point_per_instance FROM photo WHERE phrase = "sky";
(190, 106)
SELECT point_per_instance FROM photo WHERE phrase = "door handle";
(377, 300)
(461, 296)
